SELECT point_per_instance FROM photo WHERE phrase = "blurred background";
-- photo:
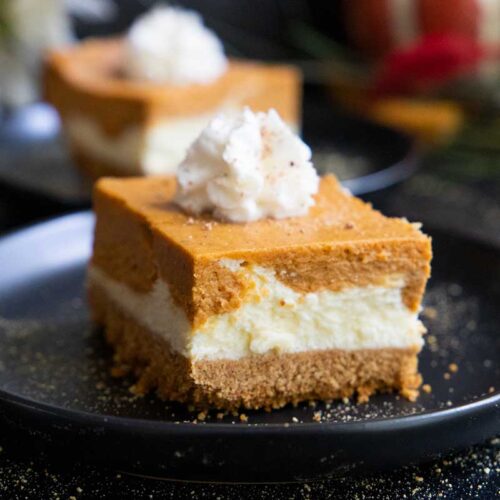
(390, 87)
(401, 100)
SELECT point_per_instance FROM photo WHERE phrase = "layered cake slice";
(247, 281)
(133, 105)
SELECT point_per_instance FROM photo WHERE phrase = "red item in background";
(461, 17)
(370, 23)
(425, 65)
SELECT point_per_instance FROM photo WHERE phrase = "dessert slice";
(246, 282)
(132, 106)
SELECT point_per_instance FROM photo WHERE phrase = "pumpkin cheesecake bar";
(133, 105)
(210, 311)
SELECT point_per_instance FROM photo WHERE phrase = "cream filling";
(156, 150)
(274, 317)
(152, 151)
(247, 166)
(171, 45)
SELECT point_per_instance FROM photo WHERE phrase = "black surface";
(471, 474)
(364, 155)
(259, 29)
(54, 379)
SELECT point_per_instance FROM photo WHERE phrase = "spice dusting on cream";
(245, 167)
(171, 45)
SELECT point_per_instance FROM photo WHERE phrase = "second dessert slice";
(320, 304)
(133, 105)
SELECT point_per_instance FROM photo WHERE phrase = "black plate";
(33, 157)
(365, 156)
(54, 379)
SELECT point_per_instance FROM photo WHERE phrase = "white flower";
(31, 27)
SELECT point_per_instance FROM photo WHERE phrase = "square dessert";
(261, 313)
(132, 106)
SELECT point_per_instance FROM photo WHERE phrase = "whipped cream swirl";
(171, 45)
(245, 167)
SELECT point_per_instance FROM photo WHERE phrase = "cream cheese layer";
(274, 317)
(154, 150)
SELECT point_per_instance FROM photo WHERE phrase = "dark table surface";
(437, 196)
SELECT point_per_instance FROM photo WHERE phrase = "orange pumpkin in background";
(378, 26)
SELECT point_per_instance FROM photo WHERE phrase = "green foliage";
(474, 155)
(5, 29)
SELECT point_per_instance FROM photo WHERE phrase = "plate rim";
(490, 402)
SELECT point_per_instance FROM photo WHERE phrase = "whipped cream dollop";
(171, 45)
(247, 166)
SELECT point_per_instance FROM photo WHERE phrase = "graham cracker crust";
(261, 381)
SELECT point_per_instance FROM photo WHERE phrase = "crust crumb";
(363, 398)
(136, 390)
(118, 371)
(430, 312)
(410, 394)
(427, 388)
